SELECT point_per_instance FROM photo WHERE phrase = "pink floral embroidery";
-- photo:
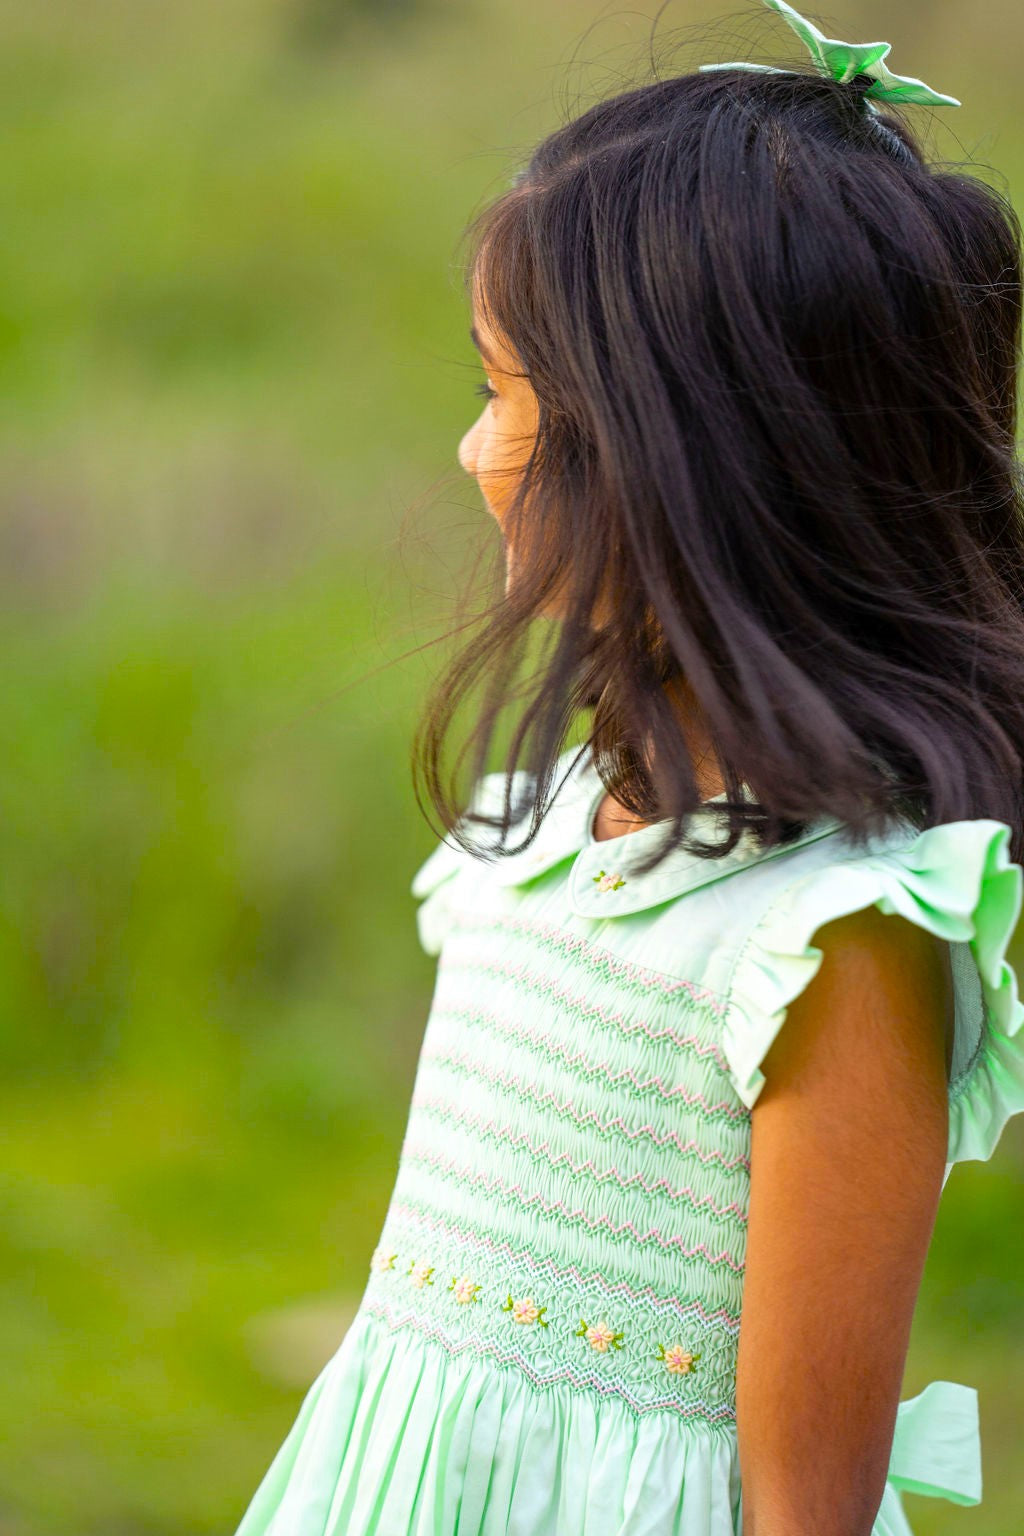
(525, 1311)
(609, 882)
(382, 1260)
(599, 1336)
(677, 1360)
(420, 1272)
(464, 1288)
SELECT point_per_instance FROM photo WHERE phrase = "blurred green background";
(235, 367)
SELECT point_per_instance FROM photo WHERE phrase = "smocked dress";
(547, 1341)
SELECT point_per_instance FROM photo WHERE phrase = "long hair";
(775, 358)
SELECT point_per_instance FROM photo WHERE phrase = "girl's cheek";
(492, 473)
(491, 488)
(494, 460)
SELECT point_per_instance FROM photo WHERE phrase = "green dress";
(546, 1345)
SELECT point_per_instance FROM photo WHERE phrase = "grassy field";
(233, 351)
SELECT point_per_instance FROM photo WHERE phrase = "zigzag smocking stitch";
(546, 1043)
(486, 1125)
(607, 1387)
(660, 1187)
(654, 1085)
(577, 1004)
(524, 1258)
(602, 959)
(626, 1232)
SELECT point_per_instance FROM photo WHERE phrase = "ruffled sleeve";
(433, 882)
(958, 882)
(430, 884)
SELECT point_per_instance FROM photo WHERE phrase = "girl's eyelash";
(485, 390)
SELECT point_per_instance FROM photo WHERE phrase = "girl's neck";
(612, 819)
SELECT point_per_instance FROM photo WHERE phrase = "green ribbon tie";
(844, 60)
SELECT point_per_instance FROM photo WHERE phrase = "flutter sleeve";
(431, 884)
(434, 882)
(956, 881)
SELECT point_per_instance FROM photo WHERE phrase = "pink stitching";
(576, 1001)
(653, 1234)
(488, 1125)
(522, 1256)
(435, 1160)
(574, 942)
(604, 1388)
(679, 1091)
(539, 1037)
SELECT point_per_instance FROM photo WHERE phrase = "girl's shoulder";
(956, 881)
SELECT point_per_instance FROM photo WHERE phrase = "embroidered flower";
(420, 1272)
(599, 1336)
(609, 882)
(525, 1311)
(677, 1359)
(382, 1260)
(464, 1288)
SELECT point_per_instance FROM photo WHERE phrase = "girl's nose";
(467, 451)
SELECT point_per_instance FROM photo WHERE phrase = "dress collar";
(602, 880)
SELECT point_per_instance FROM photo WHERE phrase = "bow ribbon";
(844, 60)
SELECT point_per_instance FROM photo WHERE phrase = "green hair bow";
(845, 60)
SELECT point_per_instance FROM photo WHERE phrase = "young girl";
(708, 1036)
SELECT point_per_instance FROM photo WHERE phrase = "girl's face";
(497, 446)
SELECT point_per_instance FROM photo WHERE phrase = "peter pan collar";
(602, 881)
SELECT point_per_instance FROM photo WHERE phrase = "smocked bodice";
(572, 1190)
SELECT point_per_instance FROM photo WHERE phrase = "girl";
(707, 1039)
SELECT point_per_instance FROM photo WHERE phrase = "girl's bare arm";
(848, 1151)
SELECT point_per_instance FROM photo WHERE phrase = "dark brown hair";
(775, 357)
